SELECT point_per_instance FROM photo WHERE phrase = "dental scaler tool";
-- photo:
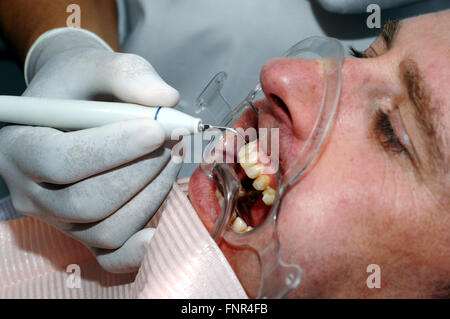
(72, 115)
(221, 128)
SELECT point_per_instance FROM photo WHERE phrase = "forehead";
(433, 26)
(426, 40)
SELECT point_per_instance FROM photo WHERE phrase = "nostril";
(280, 103)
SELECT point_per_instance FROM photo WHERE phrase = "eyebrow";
(423, 112)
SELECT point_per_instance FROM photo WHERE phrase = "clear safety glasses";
(251, 177)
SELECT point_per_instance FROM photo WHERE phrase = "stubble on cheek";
(321, 225)
(246, 265)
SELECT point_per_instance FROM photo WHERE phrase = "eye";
(366, 54)
(381, 44)
(386, 133)
(356, 53)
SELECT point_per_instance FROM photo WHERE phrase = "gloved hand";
(100, 185)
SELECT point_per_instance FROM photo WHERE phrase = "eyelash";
(387, 136)
(356, 53)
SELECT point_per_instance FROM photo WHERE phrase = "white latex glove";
(101, 185)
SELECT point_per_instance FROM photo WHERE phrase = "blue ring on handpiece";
(157, 112)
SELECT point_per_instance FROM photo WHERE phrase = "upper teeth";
(249, 159)
(220, 198)
(261, 182)
(242, 191)
(248, 154)
(254, 171)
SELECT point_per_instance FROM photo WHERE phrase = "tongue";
(258, 213)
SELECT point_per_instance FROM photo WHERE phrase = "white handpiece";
(77, 114)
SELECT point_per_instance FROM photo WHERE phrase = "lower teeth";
(239, 225)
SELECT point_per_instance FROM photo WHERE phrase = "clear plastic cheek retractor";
(277, 278)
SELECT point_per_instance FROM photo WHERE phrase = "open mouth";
(257, 190)
(253, 166)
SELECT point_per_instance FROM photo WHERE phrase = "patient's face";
(380, 191)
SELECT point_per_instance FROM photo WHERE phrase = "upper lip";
(273, 116)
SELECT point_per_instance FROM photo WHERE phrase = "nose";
(293, 88)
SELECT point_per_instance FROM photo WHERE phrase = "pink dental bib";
(182, 261)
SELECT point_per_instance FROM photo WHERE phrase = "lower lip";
(202, 193)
